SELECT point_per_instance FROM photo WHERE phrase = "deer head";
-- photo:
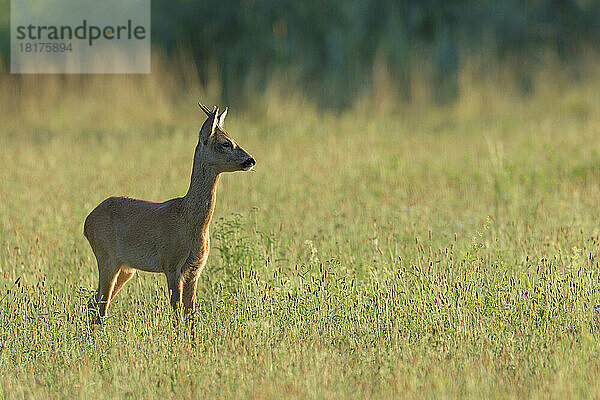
(216, 148)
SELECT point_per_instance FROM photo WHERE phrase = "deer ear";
(209, 126)
(215, 119)
(222, 117)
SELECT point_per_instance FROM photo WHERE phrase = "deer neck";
(199, 201)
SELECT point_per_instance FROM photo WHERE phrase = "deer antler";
(205, 109)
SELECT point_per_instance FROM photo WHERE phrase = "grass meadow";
(393, 250)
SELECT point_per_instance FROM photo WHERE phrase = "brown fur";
(171, 237)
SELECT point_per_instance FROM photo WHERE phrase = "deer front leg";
(189, 294)
(189, 277)
(189, 300)
(175, 288)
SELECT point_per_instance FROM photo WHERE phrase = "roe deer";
(171, 237)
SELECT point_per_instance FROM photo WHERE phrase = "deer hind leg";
(107, 276)
(123, 276)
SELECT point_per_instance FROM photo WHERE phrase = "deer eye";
(227, 145)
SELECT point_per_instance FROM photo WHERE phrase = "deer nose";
(249, 163)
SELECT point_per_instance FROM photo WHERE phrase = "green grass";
(421, 253)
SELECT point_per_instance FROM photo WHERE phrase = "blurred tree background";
(330, 48)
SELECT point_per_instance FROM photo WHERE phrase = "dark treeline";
(331, 46)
